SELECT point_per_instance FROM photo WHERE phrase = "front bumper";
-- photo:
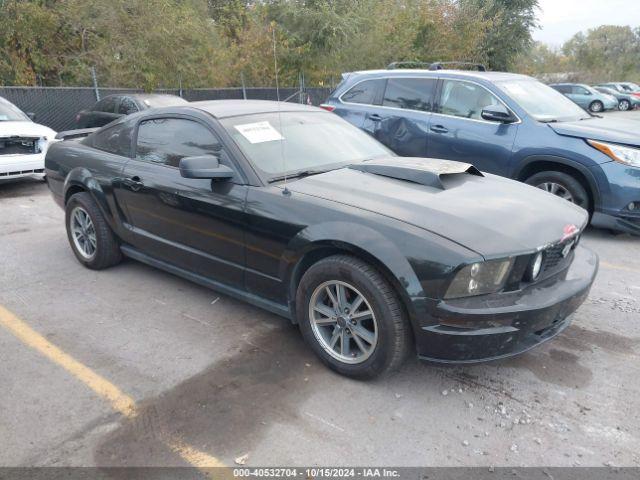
(619, 186)
(496, 326)
(16, 166)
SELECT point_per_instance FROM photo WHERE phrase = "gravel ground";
(231, 380)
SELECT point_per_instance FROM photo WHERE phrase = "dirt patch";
(581, 339)
(223, 410)
(555, 366)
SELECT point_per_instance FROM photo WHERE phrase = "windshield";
(631, 87)
(9, 112)
(301, 141)
(542, 102)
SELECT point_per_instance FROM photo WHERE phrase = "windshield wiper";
(551, 120)
(301, 174)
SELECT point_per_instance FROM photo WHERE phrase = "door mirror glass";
(204, 166)
(498, 113)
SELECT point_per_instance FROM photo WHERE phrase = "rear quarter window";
(107, 105)
(364, 92)
(115, 140)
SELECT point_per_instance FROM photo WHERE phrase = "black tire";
(579, 195)
(624, 105)
(107, 251)
(394, 335)
(596, 106)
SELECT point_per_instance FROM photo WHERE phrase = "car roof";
(489, 76)
(141, 96)
(233, 108)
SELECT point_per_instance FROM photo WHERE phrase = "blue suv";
(506, 124)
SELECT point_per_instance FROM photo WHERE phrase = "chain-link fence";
(56, 107)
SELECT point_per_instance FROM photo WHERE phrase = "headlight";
(479, 279)
(626, 155)
(534, 268)
(42, 144)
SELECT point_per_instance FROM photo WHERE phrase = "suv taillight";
(327, 107)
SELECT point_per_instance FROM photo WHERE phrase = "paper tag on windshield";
(259, 132)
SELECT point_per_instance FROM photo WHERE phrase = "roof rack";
(435, 65)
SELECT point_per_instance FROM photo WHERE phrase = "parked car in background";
(295, 210)
(587, 97)
(626, 101)
(623, 87)
(23, 143)
(503, 123)
(113, 107)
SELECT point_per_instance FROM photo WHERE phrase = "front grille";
(553, 258)
(19, 146)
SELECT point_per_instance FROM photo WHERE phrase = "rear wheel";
(352, 318)
(624, 105)
(596, 106)
(90, 237)
(562, 185)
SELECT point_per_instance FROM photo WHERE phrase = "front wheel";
(624, 105)
(596, 106)
(562, 185)
(90, 237)
(352, 318)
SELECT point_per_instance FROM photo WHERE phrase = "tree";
(508, 33)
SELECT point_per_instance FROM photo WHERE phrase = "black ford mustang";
(295, 210)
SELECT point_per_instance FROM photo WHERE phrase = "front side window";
(364, 92)
(295, 141)
(166, 141)
(410, 93)
(116, 140)
(464, 99)
(580, 90)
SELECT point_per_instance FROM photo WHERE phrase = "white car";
(23, 143)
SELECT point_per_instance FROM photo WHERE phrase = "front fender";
(359, 240)
(586, 172)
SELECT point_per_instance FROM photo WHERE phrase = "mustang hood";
(615, 130)
(491, 215)
(25, 129)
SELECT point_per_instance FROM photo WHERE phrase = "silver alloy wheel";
(558, 190)
(596, 107)
(624, 105)
(83, 233)
(343, 322)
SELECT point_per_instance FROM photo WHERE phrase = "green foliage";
(158, 43)
(606, 53)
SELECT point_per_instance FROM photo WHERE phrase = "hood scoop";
(424, 171)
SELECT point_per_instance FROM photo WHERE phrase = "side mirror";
(497, 113)
(32, 116)
(204, 166)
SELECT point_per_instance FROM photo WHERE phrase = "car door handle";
(375, 117)
(439, 128)
(133, 183)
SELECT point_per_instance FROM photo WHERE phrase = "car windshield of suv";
(10, 113)
(542, 102)
(295, 142)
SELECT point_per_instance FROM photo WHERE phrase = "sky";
(561, 19)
